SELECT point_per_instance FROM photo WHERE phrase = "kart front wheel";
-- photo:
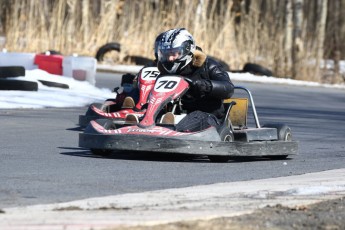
(284, 134)
(226, 135)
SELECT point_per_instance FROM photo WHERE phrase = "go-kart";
(120, 107)
(158, 134)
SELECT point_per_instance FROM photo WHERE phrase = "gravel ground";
(327, 215)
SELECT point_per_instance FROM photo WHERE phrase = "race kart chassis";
(194, 147)
(272, 140)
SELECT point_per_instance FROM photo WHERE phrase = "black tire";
(226, 135)
(225, 66)
(12, 71)
(283, 133)
(113, 46)
(8, 84)
(107, 124)
(52, 52)
(257, 69)
(127, 78)
(54, 84)
(90, 114)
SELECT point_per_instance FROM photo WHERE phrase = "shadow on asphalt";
(79, 129)
(149, 156)
(138, 156)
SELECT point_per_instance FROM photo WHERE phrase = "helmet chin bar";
(178, 65)
(173, 69)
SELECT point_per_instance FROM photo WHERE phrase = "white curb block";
(169, 205)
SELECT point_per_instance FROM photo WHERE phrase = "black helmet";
(175, 49)
(157, 41)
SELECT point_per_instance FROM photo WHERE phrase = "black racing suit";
(221, 88)
(200, 106)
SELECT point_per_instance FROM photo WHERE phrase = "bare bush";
(285, 36)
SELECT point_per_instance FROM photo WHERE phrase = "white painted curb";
(169, 205)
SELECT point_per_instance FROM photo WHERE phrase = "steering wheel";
(190, 81)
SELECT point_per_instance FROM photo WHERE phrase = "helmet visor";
(172, 54)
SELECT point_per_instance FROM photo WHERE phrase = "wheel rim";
(288, 136)
(228, 138)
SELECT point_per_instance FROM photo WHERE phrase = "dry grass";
(82, 26)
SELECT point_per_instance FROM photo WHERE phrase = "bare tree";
(336, 53)
(320, 34)
(278, 34)
(298, 46)
(288, 35)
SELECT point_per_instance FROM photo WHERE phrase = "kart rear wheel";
(284, 134)
(283, 131)
(226, 135)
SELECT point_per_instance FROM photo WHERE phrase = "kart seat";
(128, 103)
(238, 111)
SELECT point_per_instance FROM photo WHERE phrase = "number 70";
(166, 84)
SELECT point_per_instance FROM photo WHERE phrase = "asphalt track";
(40, 161)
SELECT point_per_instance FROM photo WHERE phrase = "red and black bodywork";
(219, 144)
(113, 108)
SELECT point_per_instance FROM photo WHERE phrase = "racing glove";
(200, 87)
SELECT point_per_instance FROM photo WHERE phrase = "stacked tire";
(9, 79)
(138, 60)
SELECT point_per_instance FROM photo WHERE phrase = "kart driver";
(209, 83)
